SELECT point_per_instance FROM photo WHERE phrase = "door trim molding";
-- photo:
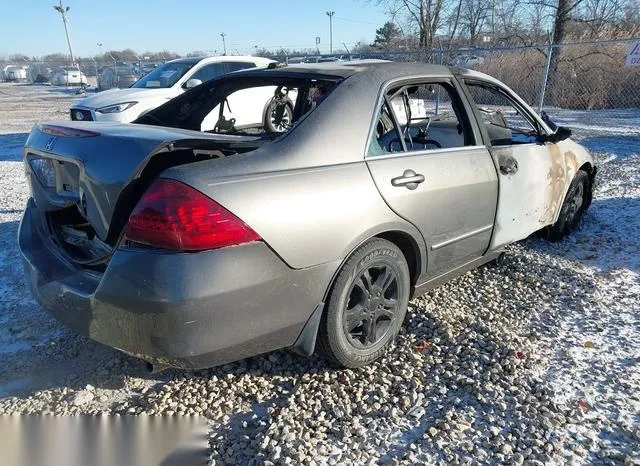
(423, 152)
(468, 234)
(446, 276)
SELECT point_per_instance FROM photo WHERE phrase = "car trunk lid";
(101, 169)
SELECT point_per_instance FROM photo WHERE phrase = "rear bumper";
(185, 310)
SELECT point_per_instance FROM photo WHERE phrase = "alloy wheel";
(372, 306)
(575, 205)
(284, 123)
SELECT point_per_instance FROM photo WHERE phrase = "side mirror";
(560, 134)
(192, 83)
(548, 121)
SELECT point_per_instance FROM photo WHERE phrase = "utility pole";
(330, 15)
(63, 10)
(224, 45)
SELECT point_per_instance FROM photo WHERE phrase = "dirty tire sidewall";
(564, 226)
(334, 344)
(268, 124)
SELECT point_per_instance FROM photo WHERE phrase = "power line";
(356, 21)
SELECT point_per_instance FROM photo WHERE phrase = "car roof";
(223, 58)
(343, 69)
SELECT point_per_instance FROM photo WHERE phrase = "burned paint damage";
(531, 196)
(522, 197)
(555, 186)
(569, 156)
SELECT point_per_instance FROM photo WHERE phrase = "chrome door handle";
(409, 179)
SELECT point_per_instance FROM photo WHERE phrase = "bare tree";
(599, 16)
(475, 13)
(426, 15)
(453, 20)
(508, 18)
(537, 15)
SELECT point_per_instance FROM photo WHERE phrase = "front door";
(426, 163)
(531, 174)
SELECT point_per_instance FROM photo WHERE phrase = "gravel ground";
(534, 360)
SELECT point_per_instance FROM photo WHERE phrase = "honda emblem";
(50, 143)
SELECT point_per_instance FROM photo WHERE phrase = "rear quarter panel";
(308, 216)
(310, 195)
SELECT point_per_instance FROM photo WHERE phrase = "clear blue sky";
(34, 28)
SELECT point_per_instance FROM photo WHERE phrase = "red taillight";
(175, 216)
(55, 130)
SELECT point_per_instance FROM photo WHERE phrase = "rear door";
(531, 174)
(427, 162)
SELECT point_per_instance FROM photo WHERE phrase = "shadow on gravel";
(469, 374)
(38, 353)
(446, 379)
(607, 239)
(66, 91)
(11, 146)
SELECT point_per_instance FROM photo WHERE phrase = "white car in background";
(68, 76)
(118, 76)
(15, 73)
(160, 85)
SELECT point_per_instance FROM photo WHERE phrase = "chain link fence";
(576, 76)
(584, 76)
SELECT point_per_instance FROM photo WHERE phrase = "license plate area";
(67, 179)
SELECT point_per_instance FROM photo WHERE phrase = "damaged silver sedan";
(188, 240)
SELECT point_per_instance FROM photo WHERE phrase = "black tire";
(574, 205)
(286, 120)
(376, 278)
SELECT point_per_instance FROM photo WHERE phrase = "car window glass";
(504, 122)
(428, 117)
(385, 139)
(208, 72)
(237, 66)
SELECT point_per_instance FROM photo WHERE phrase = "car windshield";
(164, 76)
